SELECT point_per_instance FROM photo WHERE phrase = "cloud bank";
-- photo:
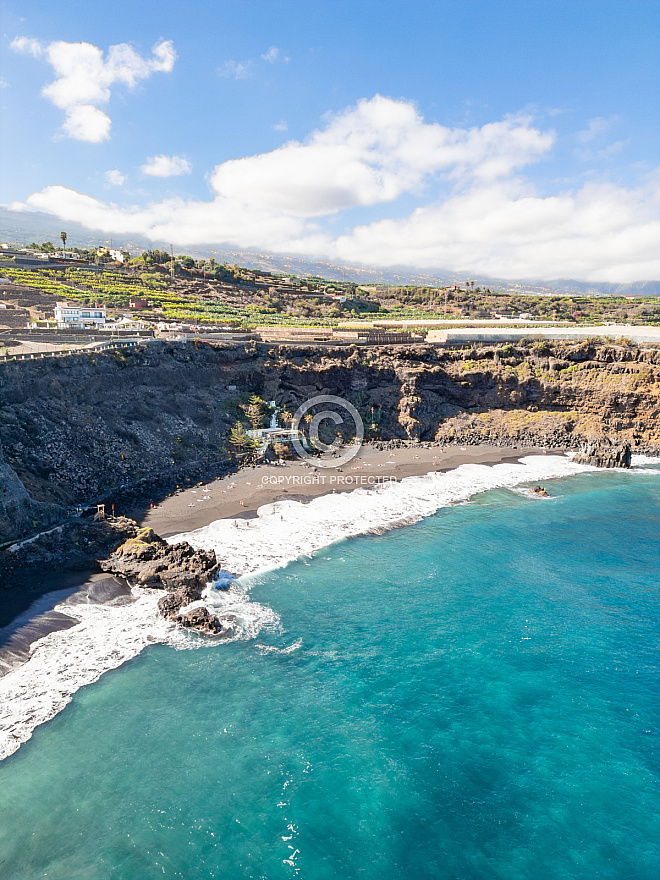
(84, 78)
(476, 212)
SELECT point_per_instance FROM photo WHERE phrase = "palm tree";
(63, 236)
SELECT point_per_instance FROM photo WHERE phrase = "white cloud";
(84, 78)
(374, 153)
(115, 178)
(236, 69)
(166, 166)
(591, 140)
(27, 46)
(245, 69)
(3, 84)
(492, 222)
(599, 233)
(273, 55)
(282, 125)
(84, 122)
(175, 220)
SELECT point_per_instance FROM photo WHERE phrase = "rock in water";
(148, 561)
(605, 455)
(203, 621)
(170, 605)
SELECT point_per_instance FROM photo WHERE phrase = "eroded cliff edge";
(129, 427)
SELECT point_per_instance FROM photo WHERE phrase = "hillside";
(21, 227)
(207, 294)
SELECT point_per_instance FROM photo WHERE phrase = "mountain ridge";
(19, 227)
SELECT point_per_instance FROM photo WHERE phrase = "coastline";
(108, 634)
(189, 509)
(193, 508)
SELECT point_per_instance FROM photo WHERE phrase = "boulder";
(170, 604)
(605, 454)
(147, 560)
(203, 621)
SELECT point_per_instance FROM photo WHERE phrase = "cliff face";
(76, 429)
(129, 427)
(561, 395)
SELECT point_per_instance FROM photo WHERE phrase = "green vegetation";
(84, 285)
(239, 438)
(254, 411)
(203, 292)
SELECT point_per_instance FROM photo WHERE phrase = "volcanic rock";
(203, 621)
(170, 605)
(605, 455)
(149, 561)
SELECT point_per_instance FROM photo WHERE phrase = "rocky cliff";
(127, 428)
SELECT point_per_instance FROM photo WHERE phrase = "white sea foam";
(636, 460)
(64, 661)
(271, 649)
(106, 636)
(287, 530)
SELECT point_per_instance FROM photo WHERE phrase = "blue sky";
(517, 139)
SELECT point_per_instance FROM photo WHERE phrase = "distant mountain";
(24, 227)
(603, 288)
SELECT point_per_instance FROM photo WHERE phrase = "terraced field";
(191, 302)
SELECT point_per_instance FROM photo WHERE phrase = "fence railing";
(90, 348)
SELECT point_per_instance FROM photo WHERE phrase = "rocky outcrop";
(605, 455)
(170, 604)
(124, 428)
(69, 551)
(146, 560)
(203, 621)
(19, 512)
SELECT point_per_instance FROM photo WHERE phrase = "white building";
(113, 253)
(71, 315)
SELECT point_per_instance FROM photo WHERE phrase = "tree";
(238, 437)
(63, 236)
(254, 410)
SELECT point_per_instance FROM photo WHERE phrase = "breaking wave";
(105, 637)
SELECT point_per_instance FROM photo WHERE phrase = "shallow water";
(472, 696)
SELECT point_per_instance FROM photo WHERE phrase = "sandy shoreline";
(242, 494)
(239, 496)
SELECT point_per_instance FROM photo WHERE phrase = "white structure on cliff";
(72, 315)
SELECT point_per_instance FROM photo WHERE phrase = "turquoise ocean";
(475, 695)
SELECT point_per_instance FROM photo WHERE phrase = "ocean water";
(474, 695)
